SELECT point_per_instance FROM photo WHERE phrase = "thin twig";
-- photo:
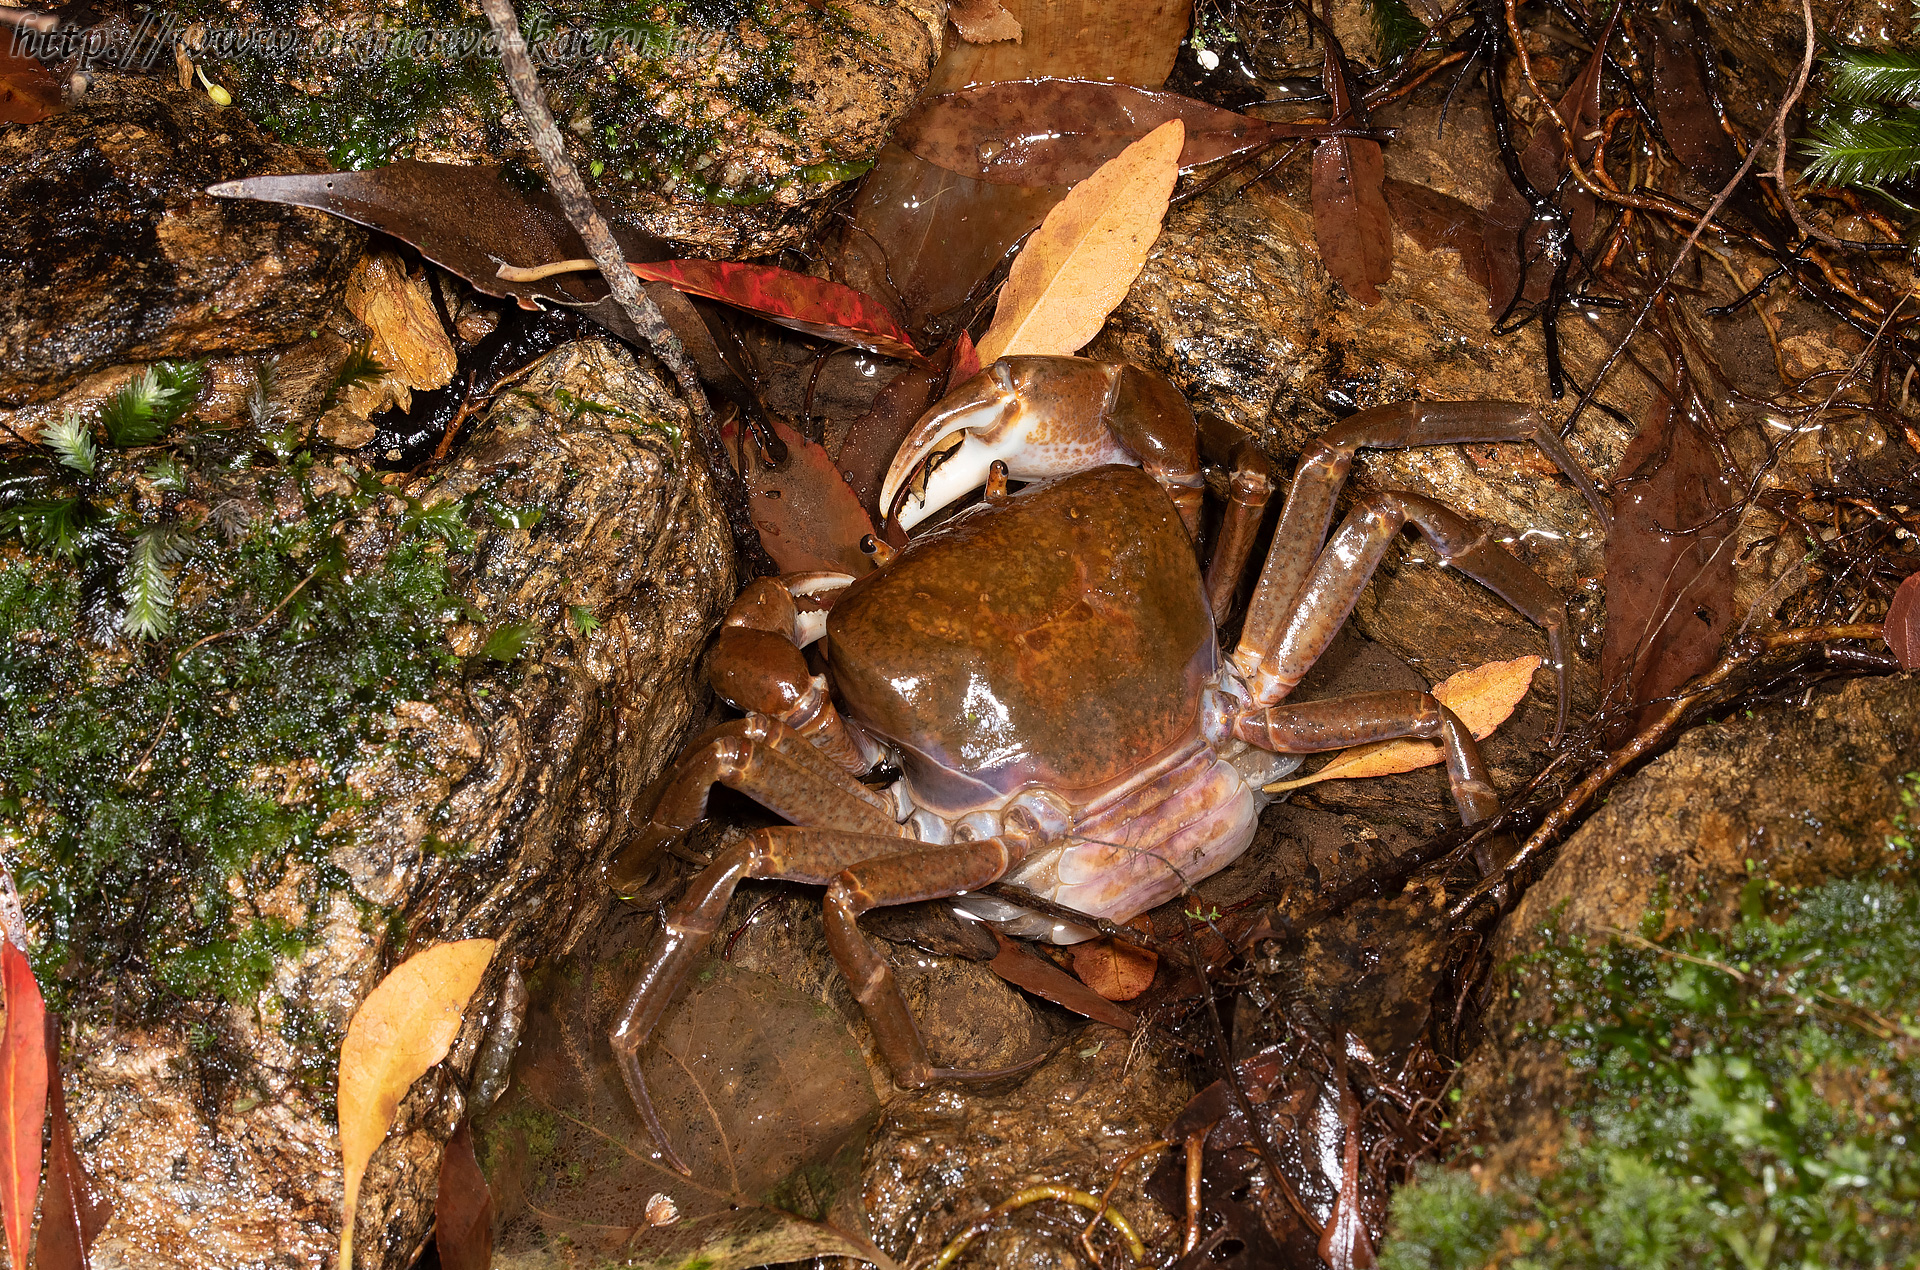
(564, 179)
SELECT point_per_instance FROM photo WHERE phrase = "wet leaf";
(1344, 1244)
(1433, 219)
(941, 233)
(797, 301)
(1483, 697)
(1059, 131)
(29, 92)
(71, 1216)
(983, 21)
(807, 514)
(1669, 575)
(1350, 221)
(463, 1207)
(23, 1098)
(1024, 968)
(1081, 261)
(468, 221)
(1117, 971)
(1902, 630)
(407, 336)
(966, 360)
(762, 1090)
(402, 1029)
(1508, 231)
(1683, 104)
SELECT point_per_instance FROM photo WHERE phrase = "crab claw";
(1042, 416)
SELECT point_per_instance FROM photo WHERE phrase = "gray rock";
(114, 253)
(488, 813)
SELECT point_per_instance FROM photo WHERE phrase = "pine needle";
(72, 440)
(1867, 152)
(146, 587)
(1877, 75)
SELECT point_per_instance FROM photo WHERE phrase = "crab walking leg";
(1247, 495)
(861, 871)
(771, 764)
(907, 877)
(796, 855)
(1322, 473)
(1313, 726)
(1341, 574)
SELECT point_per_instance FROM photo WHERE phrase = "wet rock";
(1792, 794)
(720, 125)
(940, 1158)
(114, 254)
(486, 810)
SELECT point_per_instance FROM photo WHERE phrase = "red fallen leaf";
(29, 92)
(1058, 131)
(1902, 631)
(1026, 969)
(23, 1098)
(966, 360)
(463, 1209)
(1350, 221)
(1542, 161)
(798, 301)
(72, 1216)
(1117, 971)
(1669, 575)
(808, 516)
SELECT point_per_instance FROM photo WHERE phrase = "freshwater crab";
(1044, 671)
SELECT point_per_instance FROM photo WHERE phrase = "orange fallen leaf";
(1080, 263)
(983, 21)
(72, 1215)
(1483, 698)
(23, 1098)
(404, 1027)
(1117, 971)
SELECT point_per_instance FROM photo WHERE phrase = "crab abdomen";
(1061, 639)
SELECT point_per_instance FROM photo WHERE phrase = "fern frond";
(1877, 75)
(361, 367)
(264, 408)
(152, 401)
(51, 525)
(1868, 152)
(72, 440)
(1395, 28)
(145, 585)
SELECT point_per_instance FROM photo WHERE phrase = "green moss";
(154, 793)
(1749, 1099)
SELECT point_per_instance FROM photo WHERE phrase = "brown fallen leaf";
(404, 1027)
(71, 1214)
(1483, 698)
(29, 92)
(1350, 220)
(407, 335)
(983, 21)
(1117, 971)
(1079, 264)
(463, 1207)
(1024, 968)
(1902, 631)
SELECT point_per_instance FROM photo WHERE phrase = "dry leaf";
(399, 310)
(1079, 264)
(983, 21)
(1117, 971)
(1482, 697)
(23, 1098)
(403, 1028)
